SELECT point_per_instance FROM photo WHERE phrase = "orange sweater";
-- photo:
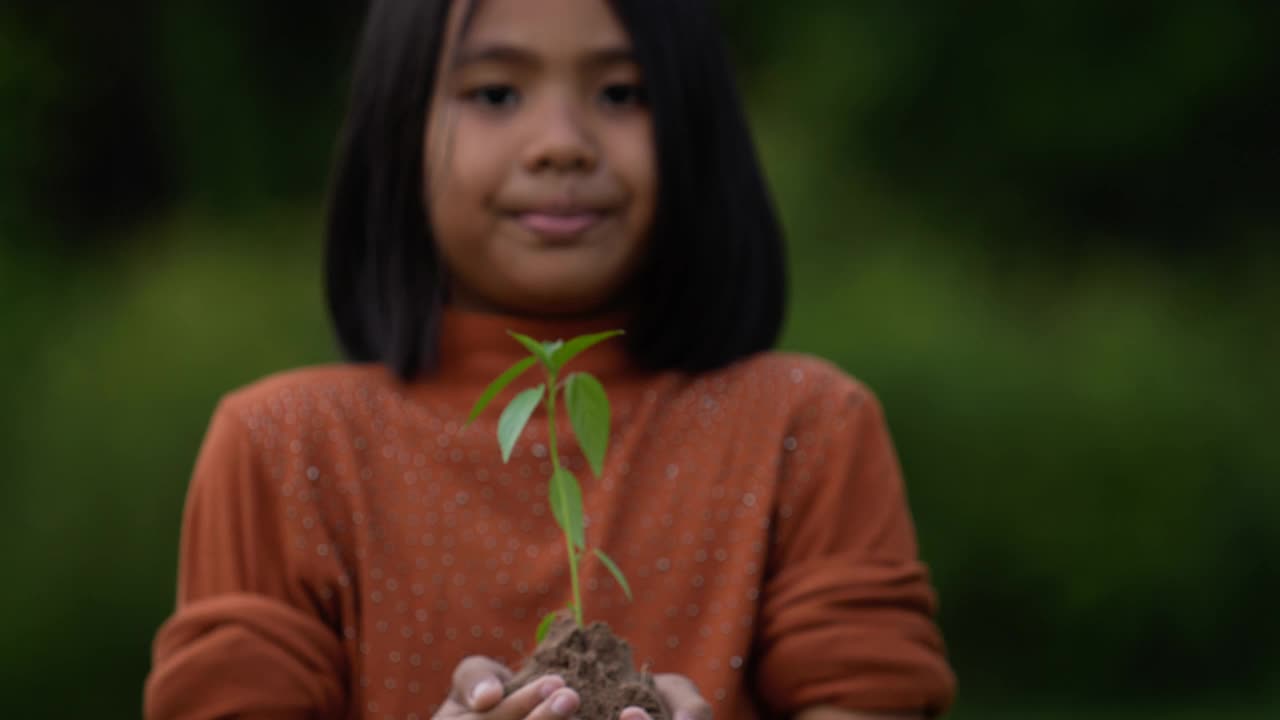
(346, 541)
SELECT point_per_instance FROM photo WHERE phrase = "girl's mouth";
(559, 225)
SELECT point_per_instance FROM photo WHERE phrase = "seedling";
(589, 414)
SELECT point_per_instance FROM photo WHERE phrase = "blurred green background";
(1045, 233)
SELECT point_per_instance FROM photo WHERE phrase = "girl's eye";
(496, 96)
(624, 95)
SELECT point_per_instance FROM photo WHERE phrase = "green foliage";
(613, 569)
(578, 345)
(499, 385)
(1087, 437)
(1086, 458)
(1090, 458)
(589, 414)
(539, 350)
(516, 416)
(565, 496)
(544, 626)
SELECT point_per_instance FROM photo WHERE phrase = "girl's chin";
(565, 282)
(562, 306)
(559, 300)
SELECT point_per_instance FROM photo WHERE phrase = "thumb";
(682, 697)
(477, 683)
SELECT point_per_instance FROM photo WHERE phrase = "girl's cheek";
(450, 155)
(473, 165)
(439, 136)
(633, 153)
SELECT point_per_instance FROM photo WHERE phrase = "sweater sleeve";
(847, 613)
(249, 638)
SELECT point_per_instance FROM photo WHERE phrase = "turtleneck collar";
(475, 347)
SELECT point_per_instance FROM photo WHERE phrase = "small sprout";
(566, 505)
(516, 416)
(545, 625)
(576, 346)
(499, 385)
(589, 414)
(535, 348)
(613, 568)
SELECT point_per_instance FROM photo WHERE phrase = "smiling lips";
(559, 225)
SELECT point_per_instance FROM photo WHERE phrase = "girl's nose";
(562, 142)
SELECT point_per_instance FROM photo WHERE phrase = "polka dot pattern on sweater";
(373, 505)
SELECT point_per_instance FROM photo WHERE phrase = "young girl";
(553, 167)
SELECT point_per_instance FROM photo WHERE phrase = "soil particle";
(598, 665)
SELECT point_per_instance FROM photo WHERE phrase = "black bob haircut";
(712, 289)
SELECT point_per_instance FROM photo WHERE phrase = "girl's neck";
(475, 346)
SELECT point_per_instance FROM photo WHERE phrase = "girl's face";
(539, 158)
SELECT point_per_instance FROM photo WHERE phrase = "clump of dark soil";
(598, 665)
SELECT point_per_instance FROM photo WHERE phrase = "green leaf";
(536, 348)
(589, 413)
(576, 346)
(545, 625)
(613, 568)
(516, 416)
(499, 385)
(566, 505)
(552, 347)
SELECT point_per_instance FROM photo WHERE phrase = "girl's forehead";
(553, 26)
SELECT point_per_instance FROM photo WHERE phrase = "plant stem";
(555, 468)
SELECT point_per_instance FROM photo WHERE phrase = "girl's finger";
(477, 683)
(682, 697)
(562, 704)
(539, 700)
(634, 713)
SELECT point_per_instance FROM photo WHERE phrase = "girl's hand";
(477, 695)
(681, 696)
